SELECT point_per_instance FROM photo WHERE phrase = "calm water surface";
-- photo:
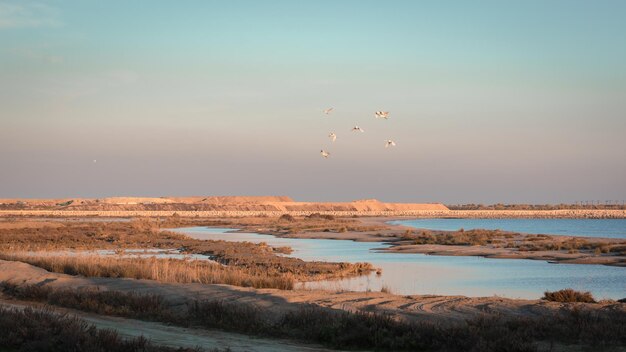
(610, 228)
(441, 275)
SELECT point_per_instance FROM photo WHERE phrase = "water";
(440, 275)
(170, 253)
(608, 228)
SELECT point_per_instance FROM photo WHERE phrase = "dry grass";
(125, 304)
(249, 258)
(164, 270)
(286, 225)
(43, 330)
(459, 238)
(86, 235)
(522, 242)
(569, 295)
(592, 329)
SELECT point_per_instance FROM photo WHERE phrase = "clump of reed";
(459, 238)
(138, 233)
(164, 270)
(250, 258)
(569, 295)
(498, 238)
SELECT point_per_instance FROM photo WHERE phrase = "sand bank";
(416, 307)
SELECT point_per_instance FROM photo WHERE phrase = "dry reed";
(164, 270)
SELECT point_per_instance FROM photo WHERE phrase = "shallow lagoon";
(609, 228)
(441, 275)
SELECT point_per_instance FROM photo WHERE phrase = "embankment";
(463, 214)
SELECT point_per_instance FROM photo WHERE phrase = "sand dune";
(278, 204)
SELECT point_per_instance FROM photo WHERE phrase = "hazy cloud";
(23, 14)
(38, 54)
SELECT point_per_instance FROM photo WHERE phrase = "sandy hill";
(208, 203)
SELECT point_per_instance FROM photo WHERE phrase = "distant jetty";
(241, 206)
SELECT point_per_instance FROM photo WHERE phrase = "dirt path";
(173, 336)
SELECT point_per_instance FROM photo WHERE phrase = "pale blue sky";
(511, 101)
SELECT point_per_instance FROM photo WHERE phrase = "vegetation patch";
(595, 329)
(568, 295)
(244, 264)
(164, 270)
(43, 330)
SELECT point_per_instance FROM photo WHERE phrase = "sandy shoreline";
(378, 229)
(448, 311)
(443, 309)
(393, 235)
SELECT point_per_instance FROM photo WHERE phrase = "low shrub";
(568, 295)
(362, 330)
(286, 217)
(43, 330)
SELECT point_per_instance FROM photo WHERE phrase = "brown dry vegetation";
(124, 304)
(514, 240)
(86, 235)
(164, 270)
(284, 225)
(244, 264)
(30, 329)
(592, 329)
(569, 295)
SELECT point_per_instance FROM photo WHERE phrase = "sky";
(489, 101)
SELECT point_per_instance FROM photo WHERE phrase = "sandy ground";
(173, 336)
(443, 309)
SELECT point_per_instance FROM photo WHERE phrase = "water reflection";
(441, 275)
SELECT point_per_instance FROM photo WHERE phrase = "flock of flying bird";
(333, 136)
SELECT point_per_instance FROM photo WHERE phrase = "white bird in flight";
(94, 161)
(328, 111)
(324, 153)
(389, 143)
(383, 114)
(357, 129)
(332, 136)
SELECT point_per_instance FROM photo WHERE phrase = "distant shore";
(551, 248)
(461, 214)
